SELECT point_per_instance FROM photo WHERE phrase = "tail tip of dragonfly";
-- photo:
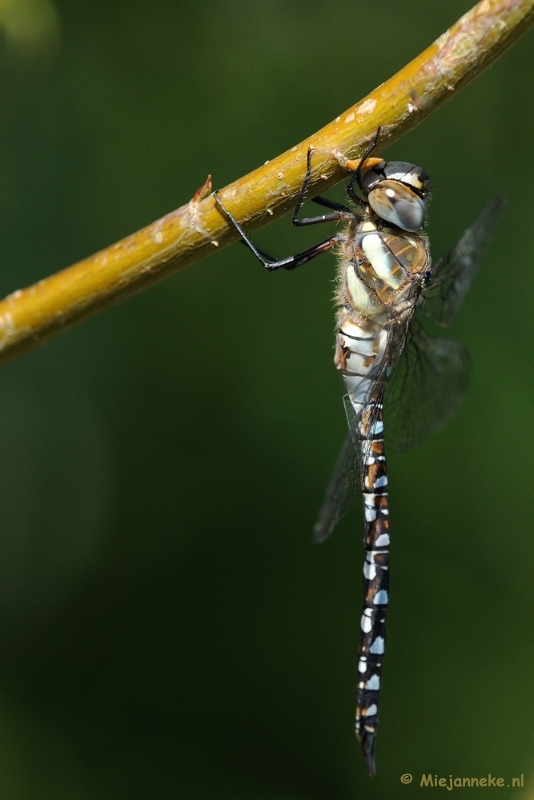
(368, 750)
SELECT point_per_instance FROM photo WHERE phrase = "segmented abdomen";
(359, 355)
(375, 570)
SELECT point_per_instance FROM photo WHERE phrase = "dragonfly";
(401, 383)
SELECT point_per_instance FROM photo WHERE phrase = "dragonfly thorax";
(380, 271)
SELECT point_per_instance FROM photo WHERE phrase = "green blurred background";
(167, 628)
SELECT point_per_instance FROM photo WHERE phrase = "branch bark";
(30, 316)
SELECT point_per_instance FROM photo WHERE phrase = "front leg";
(291, 262)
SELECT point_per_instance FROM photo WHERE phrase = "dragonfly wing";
(345, 484)
(429, 379)
(453, 274)
(342, 491)
(426, 387)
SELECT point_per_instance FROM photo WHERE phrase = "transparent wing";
(453, 274)
(422, 381)
(426, 387)
(341, 493)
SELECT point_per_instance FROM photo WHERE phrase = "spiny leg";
(341, 212)
(357, 175)
(291, 262)
(325, 201)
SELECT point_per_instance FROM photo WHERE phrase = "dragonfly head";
(397, 192)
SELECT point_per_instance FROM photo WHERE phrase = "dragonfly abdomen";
(359, 351)
(359, 354)
(376, 580)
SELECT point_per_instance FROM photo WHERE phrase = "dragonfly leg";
(325, 201)
(340, 212)
(357, 175)
(291, 262)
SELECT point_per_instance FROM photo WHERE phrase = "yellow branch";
(30, 316)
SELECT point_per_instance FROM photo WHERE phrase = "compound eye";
(397, 204)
